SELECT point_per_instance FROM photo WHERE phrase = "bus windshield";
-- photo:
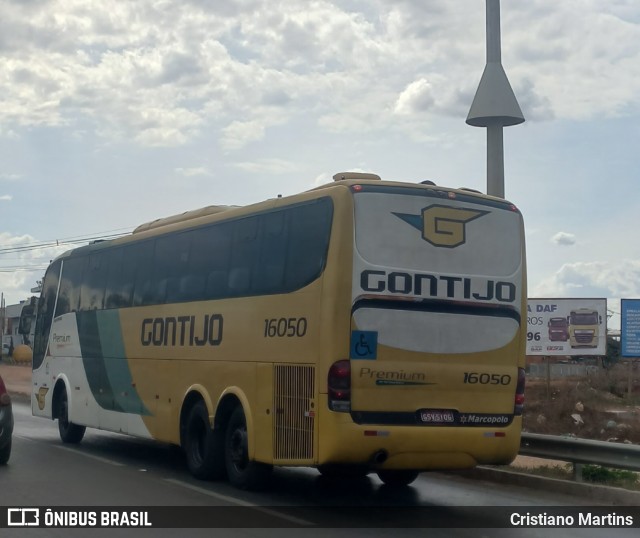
(590, 318)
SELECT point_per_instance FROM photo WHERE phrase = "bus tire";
(203, 446)
(69, 432)
(242, 472)
(398, 477)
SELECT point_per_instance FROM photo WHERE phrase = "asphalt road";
(114, 470)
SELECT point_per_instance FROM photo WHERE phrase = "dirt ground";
(594, 407)
(17, 378)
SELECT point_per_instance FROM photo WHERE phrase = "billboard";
(630, 327)
(566, 327)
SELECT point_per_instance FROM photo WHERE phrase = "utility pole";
(495, 105)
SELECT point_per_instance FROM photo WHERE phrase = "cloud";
(535, 107)
(180, 67)
(610, 280)
(575, 81)
(276, 97)
(10, 177)
(6, 197)
(240, 133)
(417, 97)
(592, 279)
(323, 179)
(564, 238)
(161, 73)
(24, 261)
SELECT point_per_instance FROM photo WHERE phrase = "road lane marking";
(240, 502)
(97, 458)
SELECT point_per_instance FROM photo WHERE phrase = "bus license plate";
(429, 416)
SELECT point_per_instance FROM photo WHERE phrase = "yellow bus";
(363, 326)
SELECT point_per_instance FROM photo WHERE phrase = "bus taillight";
(339, 386)
(519, 401)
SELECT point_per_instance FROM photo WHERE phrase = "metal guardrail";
(581, 452)
(557, 371)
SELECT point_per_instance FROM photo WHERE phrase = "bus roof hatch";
(341, 176)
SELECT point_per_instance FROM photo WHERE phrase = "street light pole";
(495, 105)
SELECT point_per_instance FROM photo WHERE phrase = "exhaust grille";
(294, 413)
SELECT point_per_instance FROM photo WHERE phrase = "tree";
(613, 352)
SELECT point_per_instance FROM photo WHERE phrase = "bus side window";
(69, 295)
(239, 280)
(144, 291)
(243, 255)
(216, 284)
(121, 272)
(310, 228)
(268, 272)
(93, 283)
(45, 313)
(209, 258)
(171, 263)
(191, 287)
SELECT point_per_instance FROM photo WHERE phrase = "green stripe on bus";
(116, 364)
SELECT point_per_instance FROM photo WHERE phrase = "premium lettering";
(425, 285)
(61, 339)
(182, 331)
(399, 375)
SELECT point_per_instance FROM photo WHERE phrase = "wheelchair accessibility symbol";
(364, 345)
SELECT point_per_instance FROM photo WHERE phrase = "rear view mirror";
(26, 317)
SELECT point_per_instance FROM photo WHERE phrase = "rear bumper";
(415, 447)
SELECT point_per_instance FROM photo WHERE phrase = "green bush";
(605, 475)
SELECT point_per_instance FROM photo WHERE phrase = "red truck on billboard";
(558, 329)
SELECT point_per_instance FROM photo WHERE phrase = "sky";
(114, 113)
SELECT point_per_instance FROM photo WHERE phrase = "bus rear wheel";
(398, 477)
(203, 447)
(242, 472)
(69, 432)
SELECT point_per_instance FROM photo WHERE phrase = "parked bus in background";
(584, 327)
(363, 326)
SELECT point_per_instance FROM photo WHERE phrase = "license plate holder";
(436, 416)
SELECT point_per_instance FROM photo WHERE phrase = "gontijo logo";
(441, 225)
